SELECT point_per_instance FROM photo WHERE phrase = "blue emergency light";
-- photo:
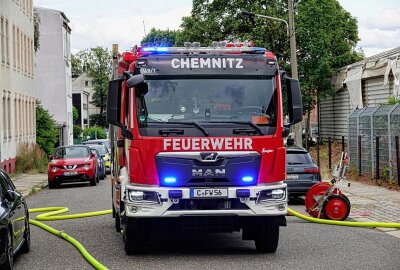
(247, 178)
(170, 180)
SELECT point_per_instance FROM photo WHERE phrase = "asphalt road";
(302, 245)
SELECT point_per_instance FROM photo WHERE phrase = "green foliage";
(96, 62)
(77, 131)
(326, 37)
(157, 37)
(98, 120)
(36, 30)
(393, 100)
(75, 114)
(46, 130)
(95, 132)
(30, 159)
(76, 65)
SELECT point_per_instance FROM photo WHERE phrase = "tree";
(222, 20)
(96, 62)
(76, 66)
(46, 130)
(94, 132)
(326, 37)
(157, 37)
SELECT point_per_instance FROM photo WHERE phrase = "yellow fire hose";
(49, 215)
(51, 212)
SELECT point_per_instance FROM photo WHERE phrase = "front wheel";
(9, 254)
(26, 246)
(52, 184)
(267, 238)
(134, 238)
(93, 181)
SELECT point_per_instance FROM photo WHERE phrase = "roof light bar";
(172, 50)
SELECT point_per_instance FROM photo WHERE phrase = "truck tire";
(267, 238)
(117, 222)
(134, 238)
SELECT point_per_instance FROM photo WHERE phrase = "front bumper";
(166, 206)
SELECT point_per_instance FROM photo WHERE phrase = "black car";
(14, 222)
(301, 172)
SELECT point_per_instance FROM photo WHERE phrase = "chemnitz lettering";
(208, 144)
(231, 63)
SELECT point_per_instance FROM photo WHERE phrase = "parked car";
(100, 164)
(74, 163)
(104, 153)
(14, 223)
(105, 142)
(301, 172)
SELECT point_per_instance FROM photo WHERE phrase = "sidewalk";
(373, 203)
(368, 203)
(29, 183)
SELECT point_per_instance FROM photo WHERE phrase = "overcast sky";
(104, 22)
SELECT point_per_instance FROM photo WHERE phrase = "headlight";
(86, 167)
(138, 196)
(54, 169)
(271, 195)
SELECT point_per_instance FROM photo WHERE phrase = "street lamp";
(293, 58)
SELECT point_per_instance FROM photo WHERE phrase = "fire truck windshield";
(211, 100)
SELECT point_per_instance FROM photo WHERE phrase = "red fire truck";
(197, 137)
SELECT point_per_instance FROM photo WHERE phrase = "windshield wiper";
(241, 123)
(192, 123)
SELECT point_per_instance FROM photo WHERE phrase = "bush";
(77, 131)
(31, 159)
(95, 132)
(75, 114)
(98, 120)
(46, 130)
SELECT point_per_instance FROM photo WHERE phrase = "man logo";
(209, 156)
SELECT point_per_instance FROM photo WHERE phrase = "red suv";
(72, 164)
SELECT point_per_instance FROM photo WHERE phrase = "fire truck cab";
(197, 142)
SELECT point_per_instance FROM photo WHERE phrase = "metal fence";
(372, 141)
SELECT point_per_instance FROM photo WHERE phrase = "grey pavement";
(368, 203)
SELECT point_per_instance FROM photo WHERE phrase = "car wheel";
(26, 246)
(9, 261)
(267, 238)
(93, 181)
(97, 178)
(134, 238)
(52, 184)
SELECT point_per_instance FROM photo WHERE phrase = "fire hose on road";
(53, 213)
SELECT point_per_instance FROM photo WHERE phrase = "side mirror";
(92, 155)
(51, 157)
(10, 195)
(135, 80)
(295, 107)
(114, 102)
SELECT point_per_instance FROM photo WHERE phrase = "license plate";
(70, 173)
(208, 192)
(292, 176)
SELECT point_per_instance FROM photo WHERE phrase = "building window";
(4, 117)
(7, 47)
(86, 83)
(2, 41)
(9, 115)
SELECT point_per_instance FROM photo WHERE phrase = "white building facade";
(53, 80)
(17, 96)
(85, 83)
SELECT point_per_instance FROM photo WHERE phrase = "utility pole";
(293, 63)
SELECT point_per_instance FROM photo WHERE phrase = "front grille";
(207, 204)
